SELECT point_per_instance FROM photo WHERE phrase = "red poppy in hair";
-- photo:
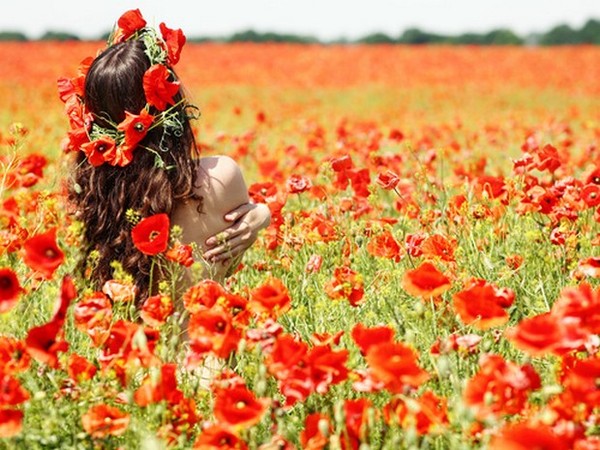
(135, 127)
(175, 40)
(130, 22)
(159, 90)
(96, 150)
(151, 235)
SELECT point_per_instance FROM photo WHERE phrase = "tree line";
(563, 34)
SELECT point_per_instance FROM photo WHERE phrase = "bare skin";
(228, 223)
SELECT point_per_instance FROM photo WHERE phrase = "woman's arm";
(228, 223)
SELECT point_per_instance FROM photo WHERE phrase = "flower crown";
(114, 144)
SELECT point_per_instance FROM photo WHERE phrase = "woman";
(136, 157)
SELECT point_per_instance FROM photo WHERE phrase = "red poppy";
(155, 389)
(11, 422)
(213, 330)
(98, 150)
(425, 281)
(582, 303)
(388, 180)
(326, 367)
(286, 353)
(238, 406)
(296, 184)
(204, 294)
(119, 291)
(346, 284)
(151, 235)
(413, 244)
(45, 341)
(500, 387)
(547, 333)
(395, 365)
(356, 418)
(135, 127)
(384, 245)
(219, 437)
(437, 246)
(175, 40)
(159, 90)
(9, 289)
(80, 368)
(93, 316)
(525, 436)
(42, 253)
(482, 304)
(365, 337)
(181, 254)
(130, 22)
(11, 391)
(272, 298)
(429, 413)
(104, 420)
(156, 310)
(312, 437)
(13, 355)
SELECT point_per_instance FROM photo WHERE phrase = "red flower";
(500, 387)
(395, 365)
(238, 406)
(440, 247)
(312, 438)
(93, 316)
(130, 22)
(219, 437)
(204, 294)
(181, 254)
(151, 235)
(11, 422)
(429, 413)
(135, 127)
(388, 180)
(175, 40)
(97, 150)
(365, 337)
(156, 310)
(154, 390)
(11, 391)
(13, 355)
(384, 245)
(42, 254)
(119, 155)
(213, 330)
(547, 333)
(482, 304)
(425, 281)
(104, 420)
(286, 353)
(159, 90)
(272, 297)
(296, 184)
(346, 284)
(80, 368)
(524, 436)
(9, 289)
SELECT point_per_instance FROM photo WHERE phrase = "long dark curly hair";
(103, 195)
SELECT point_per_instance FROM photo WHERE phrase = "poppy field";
(429, 279)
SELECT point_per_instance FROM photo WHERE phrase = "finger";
(227, 234)
(245, 240)
(238, 213)
(231, 254)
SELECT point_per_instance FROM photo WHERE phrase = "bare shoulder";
(220, 176)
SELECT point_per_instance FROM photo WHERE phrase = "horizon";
(325, 21)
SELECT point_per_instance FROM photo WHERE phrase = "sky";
(324, 19)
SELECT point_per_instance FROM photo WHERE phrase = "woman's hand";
(247, 220)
